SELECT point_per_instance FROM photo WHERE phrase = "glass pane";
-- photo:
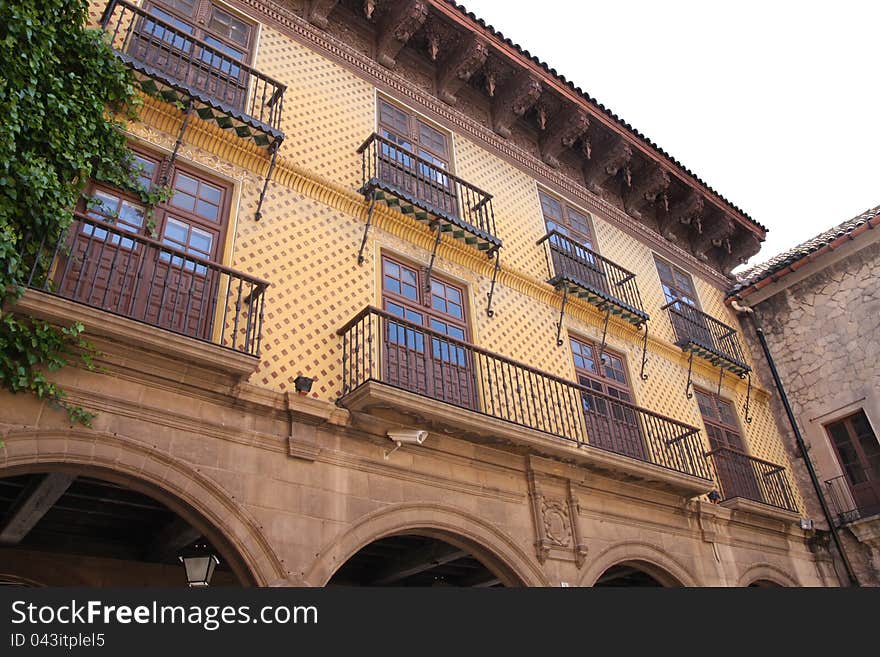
(392, 284)
(131, 216)
(207, 210)
(433, 139)
(103, 205)
(393, 118)
(176, 231)
(391, 268)
(201, 242)
(551, 207)
(185, 183)
(183, 201)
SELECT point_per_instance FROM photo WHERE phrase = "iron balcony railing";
(741, 475)
(397, 176)
(104, 266)
(591, 276)
(168, 54)
(381, 347)
(704, 335)
(843, 503)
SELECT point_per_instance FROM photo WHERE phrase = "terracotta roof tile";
(779, 262)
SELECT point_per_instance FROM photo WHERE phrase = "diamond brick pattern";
(307, 251)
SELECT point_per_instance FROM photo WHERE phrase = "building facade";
(417, 312)
(824, 293)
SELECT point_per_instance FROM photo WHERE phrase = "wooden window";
(858, 453)
(567, 220)
(420, 362)
(721, 422)
(132, 279)
(733, 466)
(223, 31)
(609, 425)
(423, 178)
(677, 283)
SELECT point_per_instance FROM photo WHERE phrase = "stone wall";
(824, 334)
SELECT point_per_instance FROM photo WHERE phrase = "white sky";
(775, 104)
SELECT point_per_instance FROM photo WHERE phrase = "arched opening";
(422, 560)
(84, 527)
(636, 574)
(764, 584)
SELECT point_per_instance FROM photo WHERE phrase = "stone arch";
(184, 490)
(655, 562)
(768, 573)
(482, 539)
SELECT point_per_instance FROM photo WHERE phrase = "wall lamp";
(303, 384)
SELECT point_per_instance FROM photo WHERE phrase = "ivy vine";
(64, 99)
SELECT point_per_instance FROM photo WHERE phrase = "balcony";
(852, 503)
(173, 65)
(395, 369)
(108, 268)
(584, 273)
(428, 193)
(744, 477)
(705, 336)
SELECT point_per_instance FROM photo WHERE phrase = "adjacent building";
(418, 312)
(819, 307)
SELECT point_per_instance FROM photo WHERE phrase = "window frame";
(587, 240)
(202, 28)
(166, 210)
(413, 134)
(719, 423)
(658, 260)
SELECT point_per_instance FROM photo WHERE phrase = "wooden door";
(431, 364)
(610, 425)
(183, 291)
(858, 453)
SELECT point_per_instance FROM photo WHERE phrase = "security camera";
(410, 436)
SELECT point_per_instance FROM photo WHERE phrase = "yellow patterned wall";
(313, 220)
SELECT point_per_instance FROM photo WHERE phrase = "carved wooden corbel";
(369, 8)
(741, 247)
(398, 28)
(715, 227)
(686, 212)
(517, 97)
(564, 130)
(607, 163)
(459, 67)
(648, 188)
(319, 10)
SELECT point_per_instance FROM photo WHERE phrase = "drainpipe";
(797, 434)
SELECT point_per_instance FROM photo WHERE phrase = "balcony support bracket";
(600, 366)
(273, 149)
(371, 196)
(642, 373)
(720, 380)
(489, 311)
(430, 269)
(166, 173)
(559, 341)
(690, 383)
(748, 399)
